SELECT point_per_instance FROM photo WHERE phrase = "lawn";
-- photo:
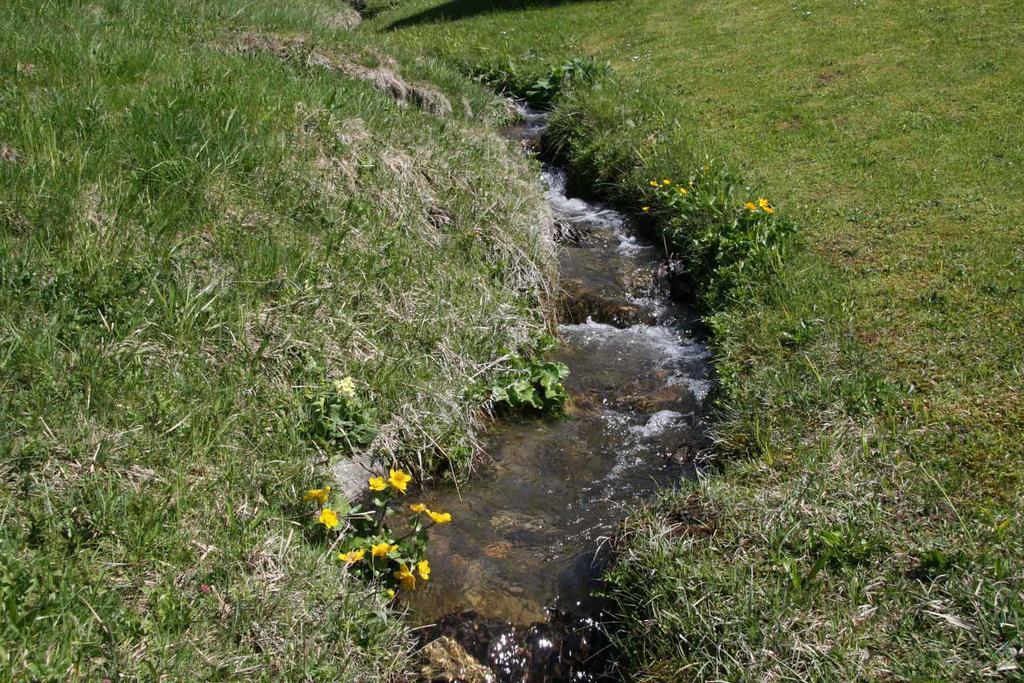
(866, 521)
(212, 213)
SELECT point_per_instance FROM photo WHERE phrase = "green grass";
(193, 238)
(868, 522)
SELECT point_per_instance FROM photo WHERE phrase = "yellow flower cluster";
(382, 549)
(376, 548)
(397, 479)
(762, 204)
(319, 495)
(438, 517)
(352, 556)
(407, 578)
(666, 184)
(346, 387)
(329, 518)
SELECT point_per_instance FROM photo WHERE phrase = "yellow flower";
(751, 206)
(440, 517)
(345, 387)
(683, 190)
(377, 484)
(423, 567)
(352, 556)
(329, 518)
(390, 593)
(654, 183)
(646, 209)
(382, 549)
(418, 507)
(763, 203)
(406, 577)
(666, 181)
(399, 479)
(319, 495)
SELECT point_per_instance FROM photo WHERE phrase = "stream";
(515, 575)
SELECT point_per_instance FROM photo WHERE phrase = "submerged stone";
(446, 661)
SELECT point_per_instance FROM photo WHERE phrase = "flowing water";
(512, 576)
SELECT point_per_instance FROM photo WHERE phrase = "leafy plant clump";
(364, 539)
(724, 235)
(340, 417)
(572, 74)
(540, 87)
(535, 384)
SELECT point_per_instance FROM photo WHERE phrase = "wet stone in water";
(445, 661)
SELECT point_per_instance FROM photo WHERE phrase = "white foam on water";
(615, 419)
(658, 423)
(554, 178)
(623, 463)
(629, 245)
(698, 386)
(655, 306)
(654, 341)
(576, 209)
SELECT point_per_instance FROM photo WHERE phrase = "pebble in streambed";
(514, 574)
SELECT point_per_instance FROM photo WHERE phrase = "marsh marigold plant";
(729, 234)
(368, 542)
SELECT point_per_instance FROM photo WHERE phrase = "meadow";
(219, 219)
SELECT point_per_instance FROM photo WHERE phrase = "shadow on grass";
(453, 10)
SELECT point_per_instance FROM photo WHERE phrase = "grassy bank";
(869, 521)
(209, 213)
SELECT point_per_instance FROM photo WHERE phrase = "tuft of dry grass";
(385, 76)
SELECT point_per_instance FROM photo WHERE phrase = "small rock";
(498, 550)
(8, 153)
(350, 475)
(448, 662)
(508, 521)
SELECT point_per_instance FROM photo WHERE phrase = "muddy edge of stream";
(514, 578)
